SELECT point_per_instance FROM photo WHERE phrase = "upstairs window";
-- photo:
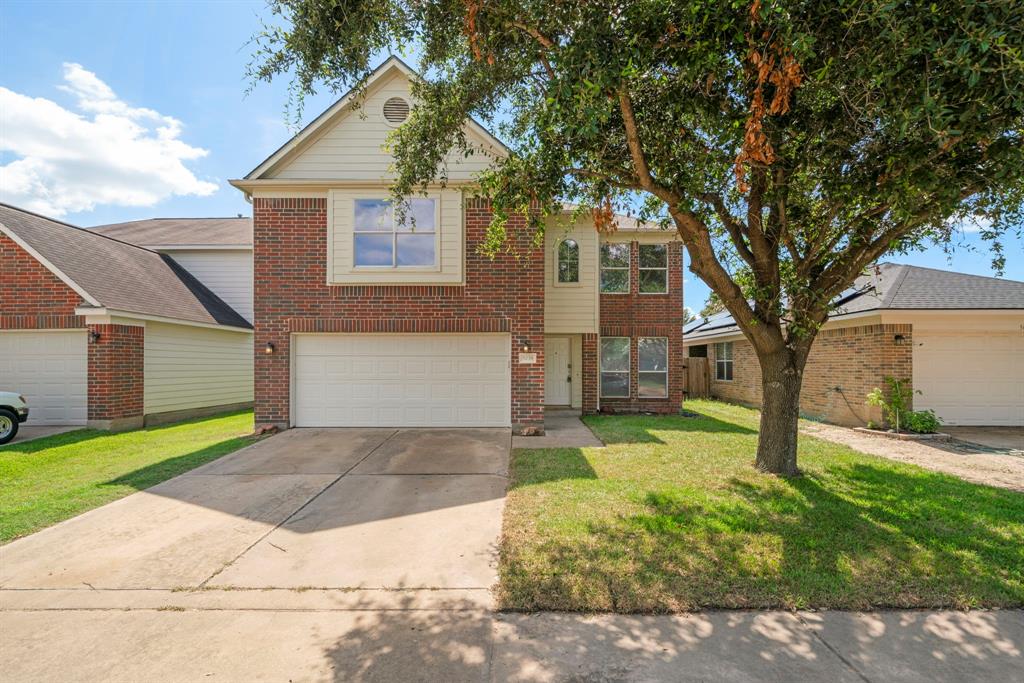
(568, 262)
(653, 268)
(723, 361)
(383, 239)
(615, 268)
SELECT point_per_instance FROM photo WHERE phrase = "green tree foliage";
(790, 143)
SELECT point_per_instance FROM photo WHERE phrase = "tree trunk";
(781, 377)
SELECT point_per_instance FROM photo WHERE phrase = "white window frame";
(641, 269)
(627, 372)
(601, 267)
(579, 262)
(436, 232)
(640, 371)
(722, 363)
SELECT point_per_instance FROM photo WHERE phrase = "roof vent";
(396, 110)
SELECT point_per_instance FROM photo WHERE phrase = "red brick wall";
(505, 294)
(857, 359)
(116, 372)
(589, 374)
(637, 315)
(31, 297)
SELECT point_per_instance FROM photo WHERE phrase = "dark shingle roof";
(170, 232)
(118, 275)
(901, 287)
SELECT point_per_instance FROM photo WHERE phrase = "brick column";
(116, 376)
(590, 375)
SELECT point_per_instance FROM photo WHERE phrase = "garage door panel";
(50, 369)
(402, 380)
(970, 379)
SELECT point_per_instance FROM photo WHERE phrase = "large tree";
(789, 143)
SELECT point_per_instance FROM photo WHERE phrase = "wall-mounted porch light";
(94, 336)
(899, 340)
(525, 344)
(269, 349)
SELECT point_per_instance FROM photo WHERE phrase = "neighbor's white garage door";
(970, 379)
(50, 370)
(402, 380)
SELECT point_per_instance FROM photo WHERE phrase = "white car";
(13, 411)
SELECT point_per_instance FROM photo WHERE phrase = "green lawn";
(48, 480)
(672, 516)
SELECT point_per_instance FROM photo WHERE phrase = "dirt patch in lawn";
(974, 463)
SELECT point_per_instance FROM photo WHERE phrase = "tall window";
(653, 357)
(653, 268)
(615, 268)
(723, 361)
(568, 262)
(384, 239)
(615, 367)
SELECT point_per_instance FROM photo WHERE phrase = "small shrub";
(921, 422)
(895, 403)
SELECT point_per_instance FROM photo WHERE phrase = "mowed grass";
(672, 516)
(51, 479)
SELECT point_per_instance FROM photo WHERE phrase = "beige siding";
(353, 148)
(449, 246)
(193, 367)
(571, 308)
(228, 274)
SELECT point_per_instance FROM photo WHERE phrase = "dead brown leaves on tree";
(775, 66)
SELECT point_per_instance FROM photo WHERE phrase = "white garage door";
(970, 379)
(50, 370)
(402, 380)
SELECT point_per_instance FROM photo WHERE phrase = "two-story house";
(363, 318)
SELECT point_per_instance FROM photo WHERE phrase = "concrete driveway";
(365, 510)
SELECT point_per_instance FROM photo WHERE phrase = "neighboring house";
(959, 339)
(97, 331)
(218, 251)
(364, 321)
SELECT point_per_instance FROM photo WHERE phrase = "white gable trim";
(49, 266)
(310, 131)
(101, 315)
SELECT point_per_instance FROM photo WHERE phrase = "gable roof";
(179, 232)
(899, 287)
(389, 66)
(116, 275)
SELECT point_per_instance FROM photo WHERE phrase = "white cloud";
(971, 223)
(108, 152)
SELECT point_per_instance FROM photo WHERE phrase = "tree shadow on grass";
(43, 443)
(620, 429)
(849, 537)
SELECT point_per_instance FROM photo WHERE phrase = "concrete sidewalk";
(331, 636)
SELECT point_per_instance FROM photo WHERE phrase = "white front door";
(402, 380)
(557, 380)
(50, 370)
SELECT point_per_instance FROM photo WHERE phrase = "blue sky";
(176, 71)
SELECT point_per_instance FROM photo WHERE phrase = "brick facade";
(31, 297)
(116, 375)
(504, 294)
(855, 359)
(636, 315)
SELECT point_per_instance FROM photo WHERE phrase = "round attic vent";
(396, 110)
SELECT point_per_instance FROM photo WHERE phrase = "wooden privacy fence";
(698, 378)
